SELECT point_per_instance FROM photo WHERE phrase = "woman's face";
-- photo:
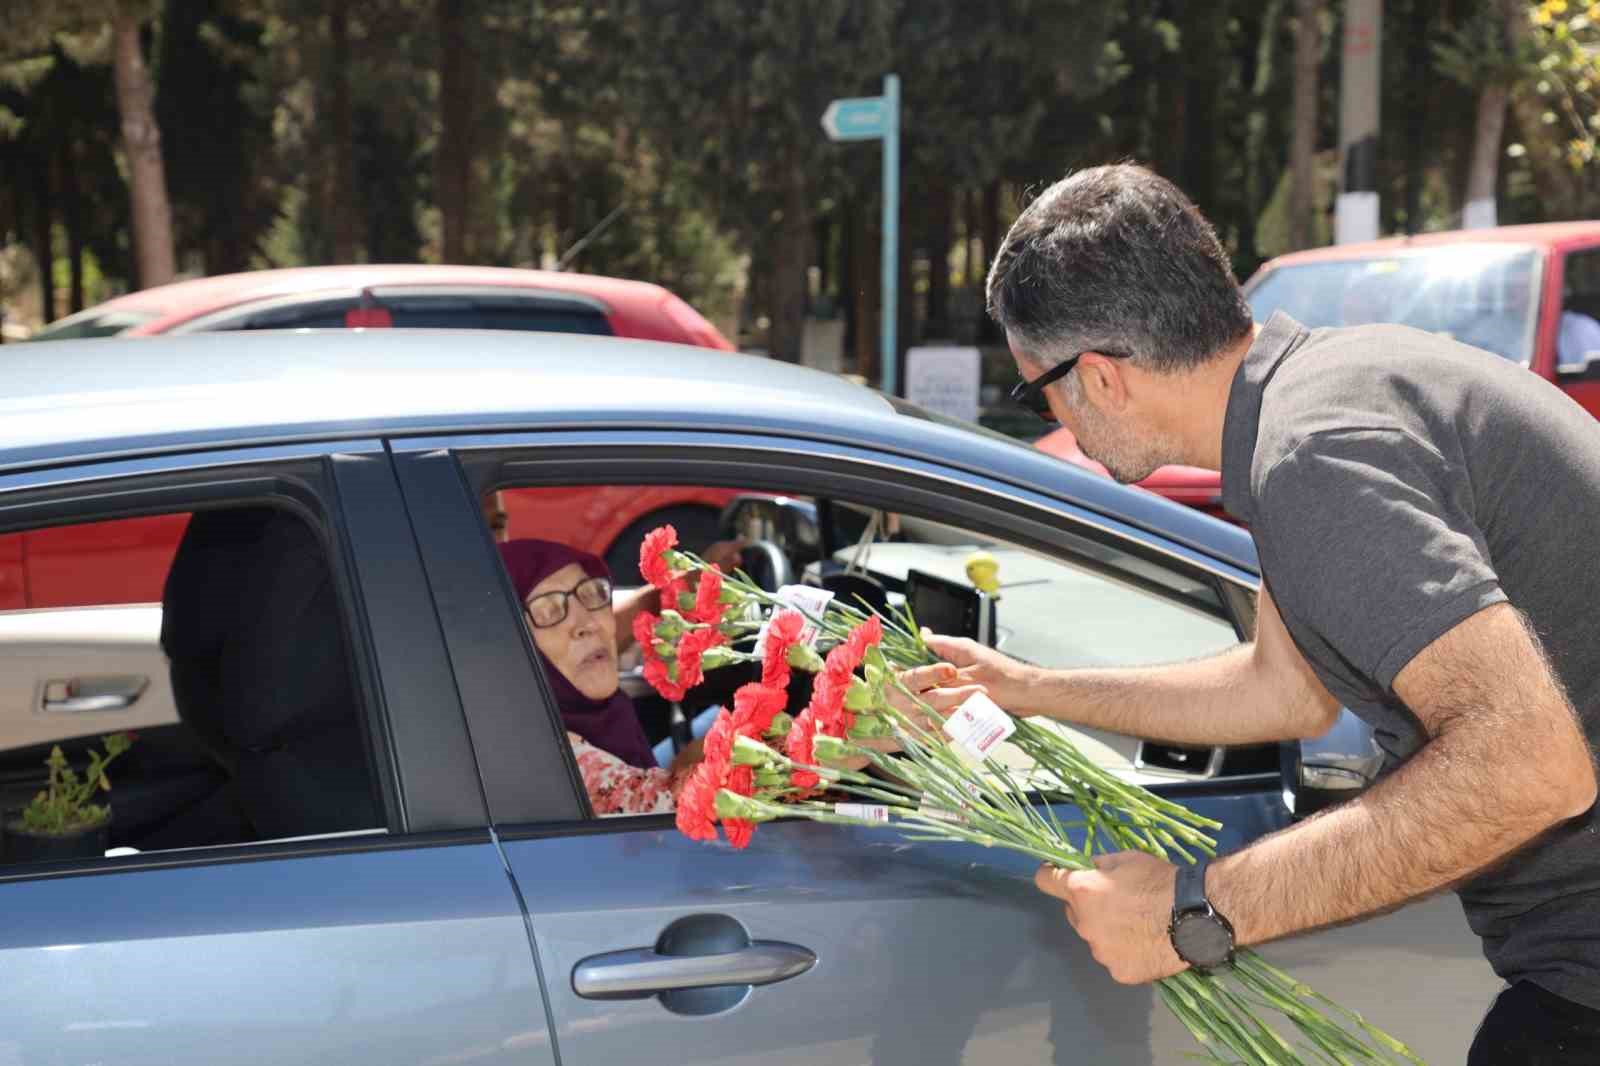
(583, 645)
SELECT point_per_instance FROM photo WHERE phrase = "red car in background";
(1528, 293)
(126, 561)
(1192, 485)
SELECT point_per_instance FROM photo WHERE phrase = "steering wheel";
(766, 564)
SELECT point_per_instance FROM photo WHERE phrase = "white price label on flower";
(979, 725)
(867, 812)
(806, 599)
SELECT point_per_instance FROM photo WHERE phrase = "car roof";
(76, 401)
(1541, 235)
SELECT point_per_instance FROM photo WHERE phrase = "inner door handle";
(78, 695)
(641, 972)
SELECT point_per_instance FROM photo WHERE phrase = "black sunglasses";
(1030, 394)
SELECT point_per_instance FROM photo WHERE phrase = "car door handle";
(641, 972)
(80, 695)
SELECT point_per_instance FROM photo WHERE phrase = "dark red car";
(124, 561)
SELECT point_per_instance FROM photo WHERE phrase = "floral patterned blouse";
(615, 787)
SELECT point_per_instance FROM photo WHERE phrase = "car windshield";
(1484, 296)
(92, 323)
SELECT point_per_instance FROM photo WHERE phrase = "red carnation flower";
(655, 672)
(739, 832)
(717, 749)
(783, 633)
(644, 630)
(862, 637)
(657, 543)
(740, 779)
(707, 598)
(754, 708)
(696, 814)
(802, 735)
(693, 645)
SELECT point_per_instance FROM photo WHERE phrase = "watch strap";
(1189, 893)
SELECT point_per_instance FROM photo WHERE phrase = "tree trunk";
(1302, 149)
(453, 155)
(1419, 55)
(941, 205)
(44, 245)
(141, 141)
(343, 201)
(868, 294)
(72, 217)
(974, 254)
(790, 259)
(1478, 211)
(987, 330)
(845, 279)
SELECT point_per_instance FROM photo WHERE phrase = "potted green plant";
(60, 822)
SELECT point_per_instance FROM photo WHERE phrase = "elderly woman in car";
(579, 631)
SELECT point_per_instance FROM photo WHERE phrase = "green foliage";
(63, 807)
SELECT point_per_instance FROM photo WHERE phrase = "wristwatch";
(1200, 935)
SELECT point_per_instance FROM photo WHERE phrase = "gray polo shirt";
(1396, 483)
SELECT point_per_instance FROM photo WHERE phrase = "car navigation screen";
(949, 608)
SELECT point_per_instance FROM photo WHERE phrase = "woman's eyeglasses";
(1030, 394)
(550, 608)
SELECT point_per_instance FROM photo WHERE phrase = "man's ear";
(1103, 381)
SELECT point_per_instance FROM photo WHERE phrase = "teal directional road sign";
(856, 118)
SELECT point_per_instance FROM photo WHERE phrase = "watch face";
(1201, 940)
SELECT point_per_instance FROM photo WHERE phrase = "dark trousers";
(1528, 1026)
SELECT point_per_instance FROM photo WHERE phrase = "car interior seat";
(261, 671)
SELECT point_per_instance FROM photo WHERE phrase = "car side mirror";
(1332, 768)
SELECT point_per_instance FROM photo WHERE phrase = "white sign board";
(944, 380)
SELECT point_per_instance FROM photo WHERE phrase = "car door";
(215, 940)
(816, 943)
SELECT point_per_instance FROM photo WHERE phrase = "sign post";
(872, 118)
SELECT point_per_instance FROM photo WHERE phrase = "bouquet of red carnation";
(943, 783)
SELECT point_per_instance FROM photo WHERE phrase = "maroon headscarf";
(608, 724)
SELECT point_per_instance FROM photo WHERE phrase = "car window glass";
(1578, 341)
(216, 640)
(1096, 604)
(1485, 296)
(438, 312)
(92, 324)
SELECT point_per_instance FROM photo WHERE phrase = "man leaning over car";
(1425, 515)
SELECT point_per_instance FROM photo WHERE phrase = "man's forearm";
(1451, 810)
(1226, 699)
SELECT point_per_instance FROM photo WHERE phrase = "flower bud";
(732, 805)
(826, 749)
(750, 752)
(803, 656)
(782, 722)
(860, 696)
(718, 657)
(685, 601)
(871, 727)
(767, 777)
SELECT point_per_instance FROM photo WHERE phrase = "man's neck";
(1199, 422)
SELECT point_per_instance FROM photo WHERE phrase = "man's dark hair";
(1116, 259)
